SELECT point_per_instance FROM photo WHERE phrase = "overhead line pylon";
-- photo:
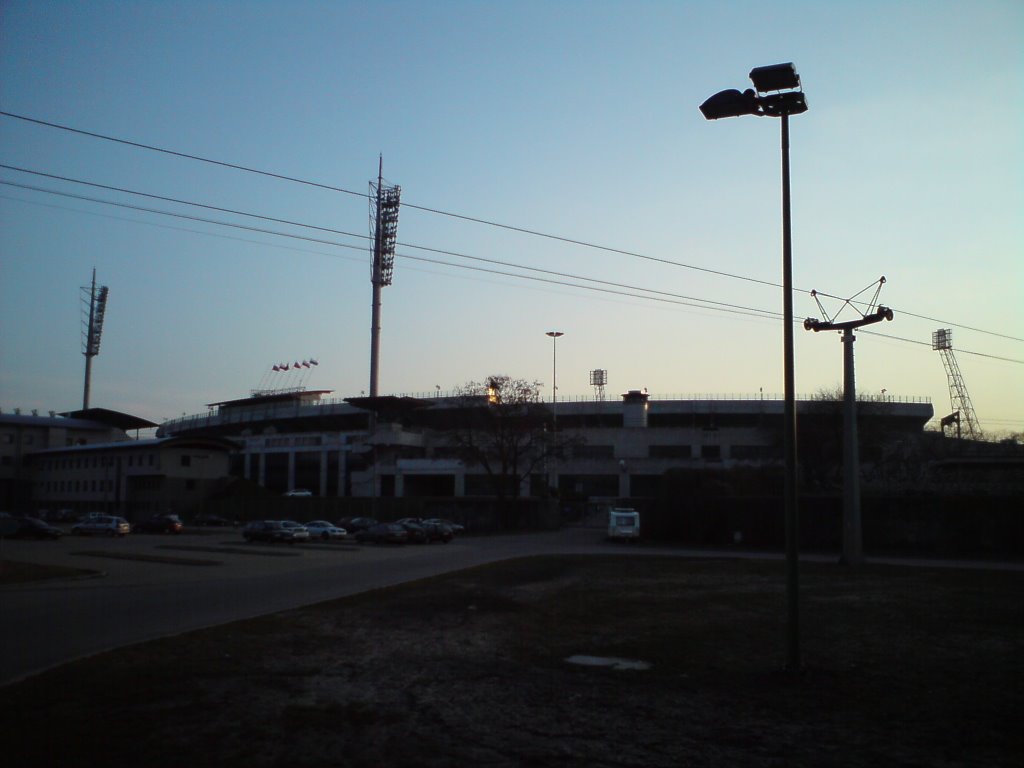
(853, 545)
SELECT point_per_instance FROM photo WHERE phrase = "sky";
(555, 174)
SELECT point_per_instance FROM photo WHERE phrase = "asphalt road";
(132, 600)
(45, 624)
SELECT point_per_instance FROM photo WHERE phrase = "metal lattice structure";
(963, 411)
(384, 203)
(598, 380)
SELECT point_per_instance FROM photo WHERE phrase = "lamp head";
(731, 103)
(777, 77)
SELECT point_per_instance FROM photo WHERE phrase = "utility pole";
(853, 540)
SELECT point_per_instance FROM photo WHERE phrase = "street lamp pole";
(789, 414)
(778, 95)
(554, 377)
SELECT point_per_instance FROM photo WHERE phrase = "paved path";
(45, 624)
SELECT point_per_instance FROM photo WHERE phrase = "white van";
(623, 523)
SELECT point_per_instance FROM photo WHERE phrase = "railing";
(338, 405)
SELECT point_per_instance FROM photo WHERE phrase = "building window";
(711, 452)
(750, 452)
(669, 452)
(593, 452)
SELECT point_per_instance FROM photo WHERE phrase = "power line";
(185, 155)
(461, 217)
(366, 237)
(654, 295)
(931, 319)
(675, 299)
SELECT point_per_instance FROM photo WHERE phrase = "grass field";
(902, 667)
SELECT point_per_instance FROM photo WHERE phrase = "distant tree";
(503, 426)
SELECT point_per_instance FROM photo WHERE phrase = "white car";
(102, 524)
(321, 529)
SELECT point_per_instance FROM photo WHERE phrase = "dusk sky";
(649, 236)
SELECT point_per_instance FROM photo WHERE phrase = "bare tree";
(503, 426)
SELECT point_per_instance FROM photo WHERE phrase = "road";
(45, 624)
(52, 622)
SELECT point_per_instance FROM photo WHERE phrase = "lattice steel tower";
(963, 412)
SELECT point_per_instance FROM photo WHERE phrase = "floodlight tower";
(963, 411)
(384, 225)
(92, 330)
(598, 378)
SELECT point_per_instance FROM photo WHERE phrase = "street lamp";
(554, 377)
(776, 94)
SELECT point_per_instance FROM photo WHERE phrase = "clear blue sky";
(577, 119)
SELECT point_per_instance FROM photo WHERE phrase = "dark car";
(384, 533)
(417, 533)
(273, 530)
(161, 524)
(437, 531)
(356, 524)
(33, 528)
(455, 527)
(424, 531)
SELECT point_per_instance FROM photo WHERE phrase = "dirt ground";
(902, 667)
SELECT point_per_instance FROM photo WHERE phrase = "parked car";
(102, 524)
(86, 516)
(33, 528)
(57, 515)
(211, 521)
(161, 524)
(455, 527)
(297, 527)
(417, 533)
(356, 524)
(273, 530)
(321, 529)
(437, 531)
(384, 533)
(298, 492)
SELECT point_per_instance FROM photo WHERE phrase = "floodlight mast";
(97, 299)
(384, 202)
(775, 95)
